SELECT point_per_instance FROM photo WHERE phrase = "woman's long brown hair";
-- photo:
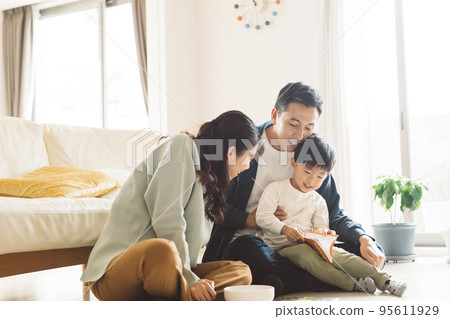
(232, 128)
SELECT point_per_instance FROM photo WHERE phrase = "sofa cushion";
(58, 181)
(50, 223)
(22, 148)
(91, 148)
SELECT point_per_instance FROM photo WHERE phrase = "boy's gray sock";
(395, 287)
(365, 284)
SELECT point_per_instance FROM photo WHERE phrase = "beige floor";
(427, 278)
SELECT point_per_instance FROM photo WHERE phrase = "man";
(294, 117)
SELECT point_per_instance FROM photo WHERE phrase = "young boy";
(313, 159)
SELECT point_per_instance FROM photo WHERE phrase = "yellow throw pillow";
(58, 181)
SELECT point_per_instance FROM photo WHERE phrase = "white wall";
(214, 64)
(244, 69)
(182, 81)
(3, 108)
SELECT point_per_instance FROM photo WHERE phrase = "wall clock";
(256, 13)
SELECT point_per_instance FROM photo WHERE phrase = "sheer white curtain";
(333, 122)
(345, 121)
(361, 97)
(371, 99)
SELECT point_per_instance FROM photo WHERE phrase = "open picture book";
(323, 244)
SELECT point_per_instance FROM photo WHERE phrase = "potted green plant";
(403, 194)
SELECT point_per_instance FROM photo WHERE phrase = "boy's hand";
(292, 234)
(328, 232)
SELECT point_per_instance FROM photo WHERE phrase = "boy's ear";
(292, 162)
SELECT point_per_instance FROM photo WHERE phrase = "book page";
(325, 242)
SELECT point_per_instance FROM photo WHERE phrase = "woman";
(164, 214)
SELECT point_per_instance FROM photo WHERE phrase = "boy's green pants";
(342, 272)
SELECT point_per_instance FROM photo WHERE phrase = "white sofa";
(44, 233)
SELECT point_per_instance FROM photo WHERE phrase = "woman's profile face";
(239, 163)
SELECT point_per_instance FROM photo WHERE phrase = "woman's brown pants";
(152, 270)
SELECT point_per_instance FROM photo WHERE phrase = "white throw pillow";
(120, 175)
(91, 148)
(22, 148)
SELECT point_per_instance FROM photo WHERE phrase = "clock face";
(256, 13)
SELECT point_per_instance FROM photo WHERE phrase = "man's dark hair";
(315, 151)
(299, 93)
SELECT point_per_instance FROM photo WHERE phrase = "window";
(396, 79)
(427, 48)
(74, 85)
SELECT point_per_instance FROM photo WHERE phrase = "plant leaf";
(406, 201)
(390, 186)
(379, 189)
(417, 206)
(407, 188)
(389, 202)
(417, 192)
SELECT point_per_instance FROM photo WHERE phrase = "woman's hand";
(292, 234)
(203, 290)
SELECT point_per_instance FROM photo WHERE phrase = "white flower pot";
(446, 235)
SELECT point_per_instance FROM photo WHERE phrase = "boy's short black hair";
(315, 151)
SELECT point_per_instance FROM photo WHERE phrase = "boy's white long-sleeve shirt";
(308, 211)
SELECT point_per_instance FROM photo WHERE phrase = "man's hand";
(280, 213)
(370, 252)
(292, 234)
(203, 290)
(250, 222)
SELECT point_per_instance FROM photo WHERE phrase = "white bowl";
(249, 293)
